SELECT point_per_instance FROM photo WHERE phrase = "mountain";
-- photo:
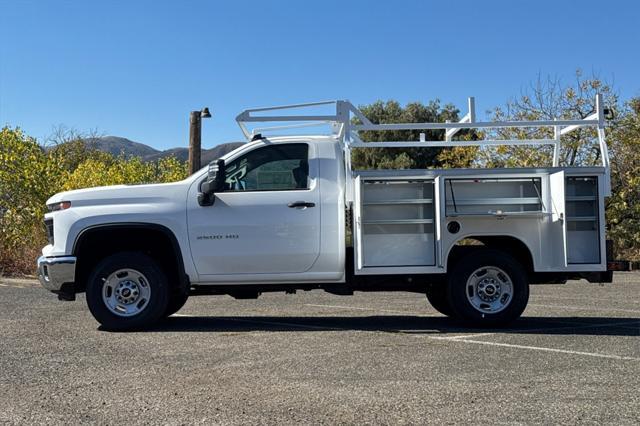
(207, 155)
(116, 145)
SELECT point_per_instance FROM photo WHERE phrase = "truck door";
(267, 221)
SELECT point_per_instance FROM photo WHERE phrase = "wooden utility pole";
(195, 141)
(195, 138)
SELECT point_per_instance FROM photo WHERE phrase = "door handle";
(300, 204)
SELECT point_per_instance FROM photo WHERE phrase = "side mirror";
(213, 184)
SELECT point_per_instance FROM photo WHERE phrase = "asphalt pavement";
(377, 358)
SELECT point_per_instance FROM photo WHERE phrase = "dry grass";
(20, 260)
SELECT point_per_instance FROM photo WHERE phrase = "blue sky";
(136, 68)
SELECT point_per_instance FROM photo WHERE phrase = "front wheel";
(488, 288)
(176, 302)
(127, 291)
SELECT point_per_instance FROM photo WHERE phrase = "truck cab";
(288, 213)
(279, 217)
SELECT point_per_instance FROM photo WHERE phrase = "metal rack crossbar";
(343, 127)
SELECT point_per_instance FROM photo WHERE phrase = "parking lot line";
(464, 336)
(544, 349)
(585, 308)
(588, 299)
(423, 314)
(575, 326)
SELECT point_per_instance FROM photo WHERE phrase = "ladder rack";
(343, 127)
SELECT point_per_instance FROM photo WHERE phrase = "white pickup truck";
(287, 213)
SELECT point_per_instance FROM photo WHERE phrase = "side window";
(271, 168)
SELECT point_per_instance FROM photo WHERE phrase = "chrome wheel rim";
(489, 289)
(126, 292)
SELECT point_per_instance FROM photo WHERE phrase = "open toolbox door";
(558, 228)
(357, 224)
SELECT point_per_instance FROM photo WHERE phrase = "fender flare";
(175, 245)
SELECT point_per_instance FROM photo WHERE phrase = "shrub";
(30, 174)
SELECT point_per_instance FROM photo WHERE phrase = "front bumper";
(53, 272)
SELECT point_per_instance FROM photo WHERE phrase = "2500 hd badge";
(218, 237)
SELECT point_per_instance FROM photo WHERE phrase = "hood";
(121, 194)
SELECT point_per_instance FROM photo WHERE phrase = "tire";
(127, 291)
(439, 299)
(488, 288)
(176, 302)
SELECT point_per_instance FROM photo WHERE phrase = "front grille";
(48, 223)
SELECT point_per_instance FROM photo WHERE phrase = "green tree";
(403, 158)
(30, 174)
(549, 99)
(108, 170)
(623, 207)
(26, 179)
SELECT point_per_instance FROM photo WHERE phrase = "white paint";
(585, 308)
(275, 243)
(582, 299)
(463, 336)
(466, 338)
(268, 251)
(544, 349)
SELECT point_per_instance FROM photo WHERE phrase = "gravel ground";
(385, 358)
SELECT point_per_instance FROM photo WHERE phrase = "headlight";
(62, 205)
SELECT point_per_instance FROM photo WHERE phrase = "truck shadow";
(436, 325)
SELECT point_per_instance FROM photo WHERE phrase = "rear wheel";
(127, 291)
(439, 299)
(488, 288)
